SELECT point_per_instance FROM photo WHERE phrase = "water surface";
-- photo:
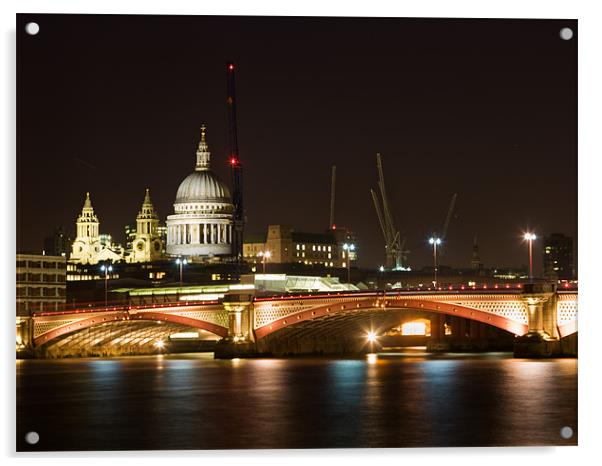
(195, 402)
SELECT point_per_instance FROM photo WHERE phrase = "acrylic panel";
(295, 232)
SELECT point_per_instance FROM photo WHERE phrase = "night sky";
(484, 108)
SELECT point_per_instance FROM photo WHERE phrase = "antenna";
(332, 193)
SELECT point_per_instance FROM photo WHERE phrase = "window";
(303, 247)
(298, 247)
(329, 248)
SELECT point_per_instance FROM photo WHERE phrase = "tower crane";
(450, 211)
(235, 168)
(391, 235)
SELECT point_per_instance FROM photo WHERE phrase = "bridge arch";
(124, 316)
(382, 305)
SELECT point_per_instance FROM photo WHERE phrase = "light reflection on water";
(195, 402)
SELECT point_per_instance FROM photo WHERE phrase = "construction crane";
(393, 244)
(235, 167)
(332, 193)
(448, 218)
(450, 211)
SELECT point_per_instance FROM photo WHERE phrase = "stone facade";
(147, 245)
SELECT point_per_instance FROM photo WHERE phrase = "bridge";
(538, 316)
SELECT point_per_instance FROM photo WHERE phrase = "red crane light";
(233, 161)
(231, 66)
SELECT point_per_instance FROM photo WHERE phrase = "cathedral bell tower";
(86, 246)
(147, 245)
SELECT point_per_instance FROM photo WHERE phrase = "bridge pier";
(542, 339)
(24, 342)
(240, 341)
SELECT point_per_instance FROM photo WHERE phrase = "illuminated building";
(146, 244)
(87, 247)
(40, 283)
(202, 223)
(287, 246)
(558, 256)
(58, 244)
(130, 235)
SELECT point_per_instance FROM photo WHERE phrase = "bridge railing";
(92, 307)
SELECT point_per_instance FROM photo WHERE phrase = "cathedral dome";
(201, 225)
(202, 186)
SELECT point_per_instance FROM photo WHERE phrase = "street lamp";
(435, 242)
(530, 237)
(181, 263)
(371, 337)
(348, 247)
(106, 270)
(265, 256)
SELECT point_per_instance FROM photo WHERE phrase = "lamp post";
(106, 269)
(371, 337)
(530, 237)
(435, 242)
(181, 263)
(265, 256)
(348, 248)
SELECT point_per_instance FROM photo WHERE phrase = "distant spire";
(87, 214)
(202, 154)
(476, 258)
(148, 210)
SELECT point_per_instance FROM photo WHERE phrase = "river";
(191, 401)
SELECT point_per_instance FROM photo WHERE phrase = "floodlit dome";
(202, 186)
(202, 221)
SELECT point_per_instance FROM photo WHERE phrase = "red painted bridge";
(244, 317)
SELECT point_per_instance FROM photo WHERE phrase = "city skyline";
(136, 129)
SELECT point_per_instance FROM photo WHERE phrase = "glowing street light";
(348, 247)
(435, 242)
(371, 337)
(106, 270)
(181, 263)
(530, 237)
(160, 344)
(265, 256)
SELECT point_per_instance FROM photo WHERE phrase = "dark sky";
(484, 108)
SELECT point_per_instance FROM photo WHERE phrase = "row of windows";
(40, 278)
(301, 247)
(41, 291)
(35, 306)
(302, 254)
(325, 264)
(40, 264)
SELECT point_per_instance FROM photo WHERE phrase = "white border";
(590, 128)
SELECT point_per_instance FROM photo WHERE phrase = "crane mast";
(391, 235)
(332, 193)
(235, 167)
(450, 211)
